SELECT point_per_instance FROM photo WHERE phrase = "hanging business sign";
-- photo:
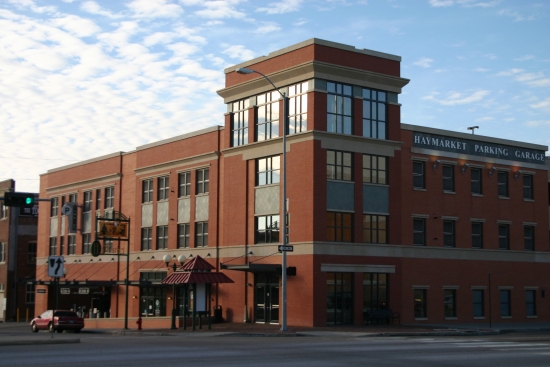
(478, 148)
(113, 229)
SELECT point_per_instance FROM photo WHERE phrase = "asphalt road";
(515, 349)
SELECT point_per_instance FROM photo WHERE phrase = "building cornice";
(73, 186)
(187, 161)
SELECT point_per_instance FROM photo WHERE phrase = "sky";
(84, 78)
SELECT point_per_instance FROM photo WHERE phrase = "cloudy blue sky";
(82, 78)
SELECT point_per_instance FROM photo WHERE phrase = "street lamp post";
(284, 209)
(174, 266)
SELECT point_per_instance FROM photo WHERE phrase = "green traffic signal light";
(29, 200)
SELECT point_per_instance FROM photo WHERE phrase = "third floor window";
(297, 108)
(268, 171)
(374, 114)
(163, 188)
(202, 181)
(339, 108)
(239, 128)
(146, 191)
(375, 169)
(267, 126)
(339, 165)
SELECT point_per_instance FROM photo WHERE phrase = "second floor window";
(87, 201)
(109, 197)
(163, 188)
(503, 184)
(267, 125)
(529, 238)
(86, 243)
(339, 108)
(528, 187)
(71, 250)
(375, 228)
(183, 235)
(374, 114)
(339, 227)
(449, 233)
(3, 250)
(418, 175)
(375, 169)
(54, 207)
(239, 128)
(419, 231)
(477, 234)
(268, 171)
(448, 178)
(184, 183)
(339, 165)
(297, 108)
(146, 239)
(31, 254)
(203, 181)
(503, 236)
(162, 237)
(201, 234)
(475, 181)
(267, 229)
(97, 199)
(146, 191)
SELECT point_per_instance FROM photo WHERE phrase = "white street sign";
(55, 266)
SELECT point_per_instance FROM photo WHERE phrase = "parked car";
(57, 320)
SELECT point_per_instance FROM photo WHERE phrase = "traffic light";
(20, 199)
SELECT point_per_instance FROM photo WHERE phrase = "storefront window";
(339, 298)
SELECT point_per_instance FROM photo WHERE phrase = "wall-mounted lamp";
(207, 255)
(473, 128)
(436, 164)
(491, 171)
(516, 176)
(465, 167)
(169, 297)
(249, 284)
(134, 297)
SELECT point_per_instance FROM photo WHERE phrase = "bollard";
(138, 322)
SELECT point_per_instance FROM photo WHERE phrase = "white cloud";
(220, 9)
(441, 3)
(465, 3)
(237, 52)
(154, 9)
(481, 70)
(537, 123)
(300, 22)
(485, 119)
(525, 58)
(94, 8)
(281, 7)
(516, 16)
(31, 5)
(424, 62)
(268, 28)
(455, 98)
(531, 79)
(76, 25)
(544, 105)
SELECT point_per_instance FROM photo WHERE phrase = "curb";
(9, 343)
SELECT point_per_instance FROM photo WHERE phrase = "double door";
(266, 298)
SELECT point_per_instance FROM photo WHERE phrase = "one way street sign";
(55, 266)
(286, 248)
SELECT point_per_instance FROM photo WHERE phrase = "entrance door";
(266, 298)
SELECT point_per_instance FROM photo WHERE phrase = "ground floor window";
(339, 298)
(29, 293)
(153, 301)
(530, 302)
(449, 302)
(375, 293)
(478, 303)
(505, 303)
(420, 303)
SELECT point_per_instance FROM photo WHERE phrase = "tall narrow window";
(504, 236)
(477, 234)
(449, 233)
(339, 108)
(53, 246)
(3, 210)
(146, 191)
(146, 239)
(339, 165)
(479, 309)
(86, 243)
(339, 298)
(87, 201)
(162, 237)
(297, 108)
(184, 183)
(475, 181)
(420, 304)
(339, 227)
(98, 199)
(375, 228)
(267, 229)
(528, 187)
(183, 235)
(268, 171)
(54, 208)
(375, 169)
(503, 184)
(239, 128)
(201, 234)
(29, 292)
(71, 250)
(529, 238)
(202, 181)
(448, 178)
(267, 126)
(31, 254)
(449, 302)
(531, 302)
(163, 188)
(505, 303)
(3, 250)
(374, 114)
(109, 197)
(61, 245)
(419, 231)
(418, 175)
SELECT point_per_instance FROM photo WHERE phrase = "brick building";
(437, 225)
(17, 258)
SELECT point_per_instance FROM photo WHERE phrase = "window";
(71, 250)
(528, 187)
(531, 302)
(375, 228)
(3, 210)
(86, 243)
(449, 302)
(3, 250)
(267, 125)
(31, 253)
(267, 229)
(339, 165)
(53, 246)
(339, 227)
(449, 233)
(146, 239)
(505, 303)
(202, 181)
(98, 199)
(109, 197)
(239, 128)
(374, 114)
(475, 181)
(418, 175)
(72, 198)
(503, 184)
(163, 188)
(184, 184)
(162, 237)
(529, 238)
(146, 191)
(419, 231)
(201, 234)
(183, 235)
(375, 293)
(297, 108)
(479, 309)
(339, 298)
(503, 236)
(61, 246)
(375, 169)
(87, 201)
(448, 178)
(29, 292)
(339, 106)
(54, 208)
(268, 171)
(477, 235)
(420, 304)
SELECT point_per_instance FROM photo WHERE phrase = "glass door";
(266, 298)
